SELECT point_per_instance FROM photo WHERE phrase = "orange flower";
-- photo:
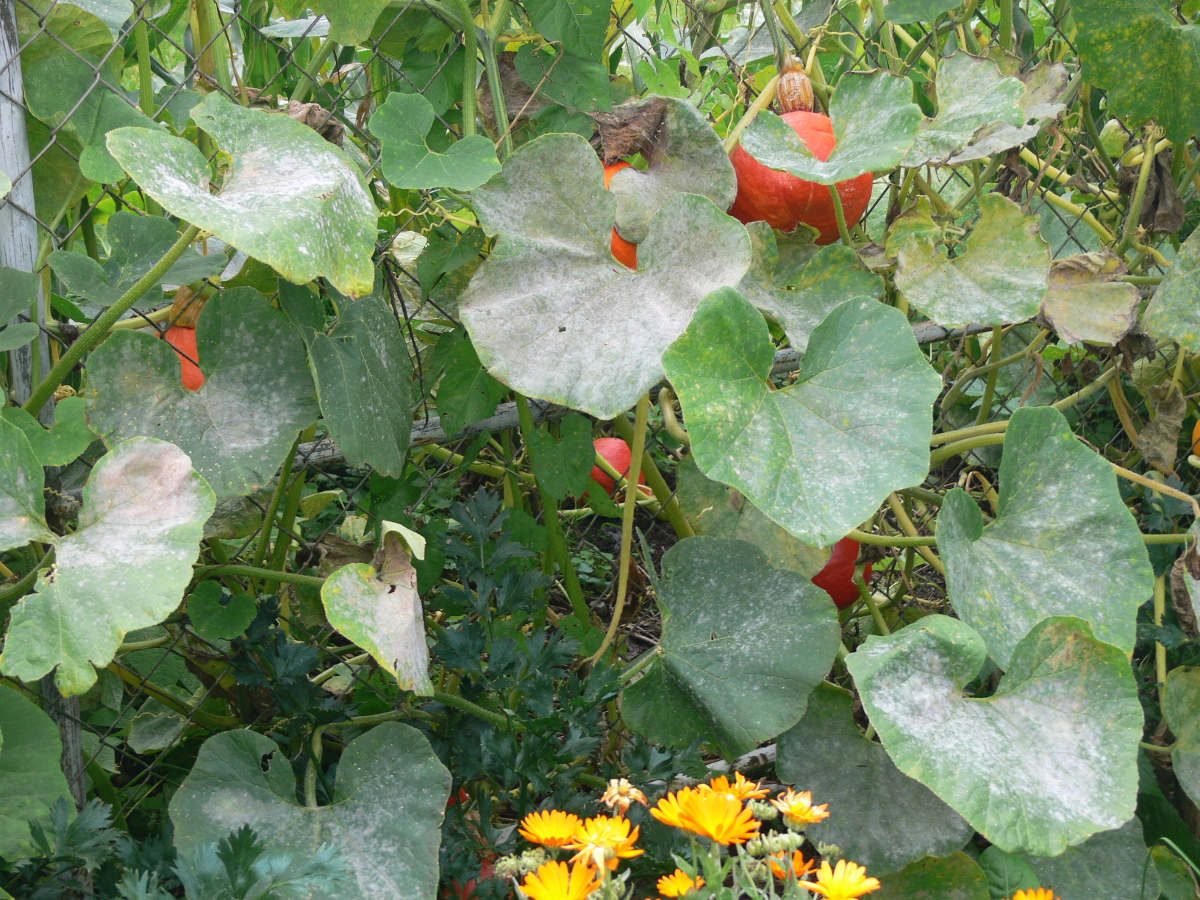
(550, 827)
(720, 817)
(741, 788)
(1038, 894)
(678, 883)
(554, 881)
(848, 881)
(798, 809)
(800, 865)
(603, 841)
(621, 795)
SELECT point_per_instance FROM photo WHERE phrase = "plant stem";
(1089, 125)
(951, 450)
(499, 107)
(1160, 651)
(308, 76)
(256, 572)
(1006, 24)
(662, 492)
(641, 413)
(781, 49)
(907, 526)
(13, 592)
(550, 519)
(761, 102)
(166, 698)
(285, 474)
(889, 540)
(283, 541)
(864, 593)
(1129, 234)
(1080, 213)
(841, 215)
(985, 404)
(474, 709)
(469, 62)
(88, 339)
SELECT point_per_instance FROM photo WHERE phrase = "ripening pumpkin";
(623, 250)
(185, 312)
(781, 199)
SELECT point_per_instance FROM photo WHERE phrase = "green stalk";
(1006, 25)
(469, 63)
(1160, 651)
(1139, 195)
(550, 516)
(145, 73)
(662, 491)
(841, 215)
(641, 413)
(889, 540)
(949, 450)
(1089, 125)
(219, 45)
(10, 593)
(256, 572)
(283, 541)
(90, 338)
(777, 41)
(864, 594)
(985, 404)
(499, 108)
(308, 75)
(285, 474)
(497, 719)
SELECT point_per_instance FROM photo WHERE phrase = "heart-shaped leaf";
(402, 123)
(820, 455)
(31, 778)
(138, 243)
(22, 503)
(874, 122)
(1045, 86)
(742, 647)
(1111, 865)
(552, 314)
(1084, 303)
(578, 26)
(1174, 311)
(466, 392)
(1181, 708)
(364, 381)
(291, 199)
(563, 466)
(60, 444)
(955, 877)
(144, 495)
(248, 352)
(686, 157)
(1086, 558)
(385, 818)
(1000, 277)
(798, 286)
(971, 93)
(1042, 764)
(577, 82)
(883, 819)
(1119, 37)
(379, 609)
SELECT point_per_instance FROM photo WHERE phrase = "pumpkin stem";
(186, 307)
(795, 90)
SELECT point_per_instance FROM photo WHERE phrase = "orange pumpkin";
(623, 250)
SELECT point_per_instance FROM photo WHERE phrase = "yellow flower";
(741, 788)
(603, 841)
(847, 882)
(718, 816)
(1038, 894)
(551, 827)
(798, 809)
(554, 881)
(678, 883)
(621, 795)
(800, 865)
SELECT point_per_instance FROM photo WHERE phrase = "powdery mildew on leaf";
(688, 158)
(238, 427)
(1063, 542)
(290, 199)
(125, 567)
(820, 455)
(1001, 277)
(31, 780)
(385, 818)
(1045, 85)
(1084, 303)
(1174, 311)
(552, 314)
(1045, 762)
(22, 503)
(402, 123)
(884, 820)
(742, 646)
(1182, 710)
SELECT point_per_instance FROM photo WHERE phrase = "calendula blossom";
(741, 787)
(800, 865)
(678, 883)
(721, 817)
(1036, 894)
(798, 810)
(603, 841)
(621, 795)
(550, 827)
(848, 881)
(557, 881)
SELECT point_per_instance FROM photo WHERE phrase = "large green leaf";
(31, 778)
(291, 199)
(1063, 542)
(124, 567)
(239, 426)
(22, 503)
(687, 157)
(882, 819)
(18, 291)
(1147, 61)
(905, 12)
(138, 243)
(60, 444)
(743, 645)
(552, 314)
(971, 93)
(1046, 761)
(1000, 277)
(1006, 873)
(799, 287)
(820, 455)
(385, 817)
(402, 123)
(1174, 311)
(576, 82)
(1181, 707)
(579, 26)
(349, 22)
(364, 381)
(874, 122)
(466, 392)
(1045, 88)
(955, 877)
(1111, 865)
